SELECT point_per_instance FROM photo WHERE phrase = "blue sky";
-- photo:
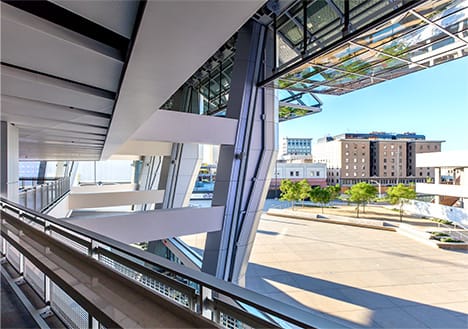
(433, 102)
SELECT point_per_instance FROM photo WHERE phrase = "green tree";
(360, 194)
(335, 191)
(289, 191)
(303, 190)
(320, 195)
(400, 194)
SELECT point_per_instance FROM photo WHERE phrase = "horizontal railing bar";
(37, 178)
(273, 307)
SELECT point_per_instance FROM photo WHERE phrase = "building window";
(297, 173)
(385, 166)
(355, 160)
(355, 174)
(291, 173)
(435, 147)
(363, 160)
(385, 153)
(385, 160)
(346, 174)
(318, 173)
(393, 174)
(346, 145)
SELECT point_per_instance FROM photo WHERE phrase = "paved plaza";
(368, 278)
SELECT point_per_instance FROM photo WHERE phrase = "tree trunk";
(357, 211)
(401, 211)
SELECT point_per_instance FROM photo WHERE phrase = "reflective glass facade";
(424, 35)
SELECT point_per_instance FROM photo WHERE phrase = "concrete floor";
(369, 278)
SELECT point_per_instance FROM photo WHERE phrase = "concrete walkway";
(370, 278)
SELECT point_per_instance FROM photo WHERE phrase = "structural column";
(9, 165)
(244, 169)
(182, 174)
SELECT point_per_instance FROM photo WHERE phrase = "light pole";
(380, 187)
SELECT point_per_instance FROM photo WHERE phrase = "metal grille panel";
(230, 322)
(70, 312)
(148, 281)
(69, 242)
(34, 277)
(13, 257)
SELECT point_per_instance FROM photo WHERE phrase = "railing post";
(21, 264)
(92, 251)
(47, 229)
(206, 295)
(92, 322)
(47, 194)
(4, 247)
(47, 286)
(35, 198)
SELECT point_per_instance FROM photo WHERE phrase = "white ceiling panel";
(33, 109)
(33, 86)
(118, 16)
(27, 121)
(33, 43)
(42, 151)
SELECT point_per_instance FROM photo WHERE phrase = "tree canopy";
(399, 194)
(320, 195)
(360, 194)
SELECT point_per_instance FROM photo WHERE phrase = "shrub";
(450, 240)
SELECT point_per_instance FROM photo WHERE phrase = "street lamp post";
(380, 187)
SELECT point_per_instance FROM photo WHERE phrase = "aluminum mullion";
(438, 26)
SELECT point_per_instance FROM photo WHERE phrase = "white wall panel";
(155, 225)
(182, 127)
(110, 199)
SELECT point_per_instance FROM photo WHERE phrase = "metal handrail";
(41, 196)
(209, 286)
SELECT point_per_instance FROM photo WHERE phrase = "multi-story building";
(296, 146)
(384, 158)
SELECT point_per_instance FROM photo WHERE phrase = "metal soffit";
(60, 74)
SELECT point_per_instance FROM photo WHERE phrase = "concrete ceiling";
(74, 85)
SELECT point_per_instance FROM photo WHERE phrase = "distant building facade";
(297, 170)
(296, 147)
(383, 158)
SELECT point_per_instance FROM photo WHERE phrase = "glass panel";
(319, 15)
(434, 10)
(390, 31)
(288, 113)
